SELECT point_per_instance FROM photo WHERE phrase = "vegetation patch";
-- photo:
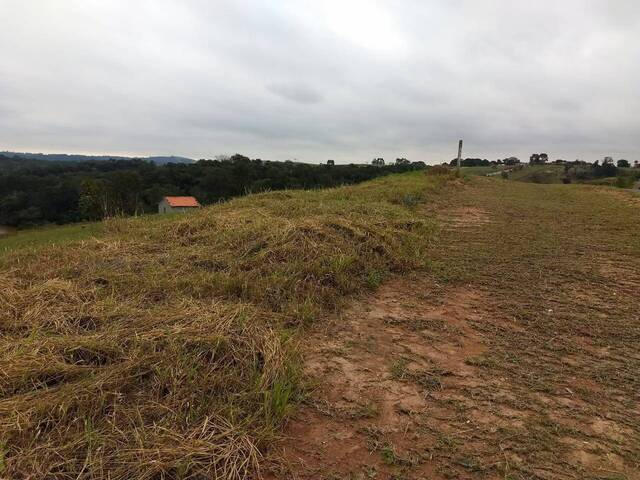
(38, 192)
(52, 235)
(166, 348)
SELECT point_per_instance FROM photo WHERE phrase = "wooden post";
(459, 153)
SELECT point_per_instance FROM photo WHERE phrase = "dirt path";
(387, 382)
(501, 362)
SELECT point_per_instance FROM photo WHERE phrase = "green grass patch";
(539, 174)
(46, 236)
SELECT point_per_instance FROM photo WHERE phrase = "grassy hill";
(164, 347)
(539, 174)
(491, 332)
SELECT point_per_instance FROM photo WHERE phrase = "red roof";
(182, 201)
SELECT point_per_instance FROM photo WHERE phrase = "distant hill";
(170, 159)
(63, 157)
(10, 162)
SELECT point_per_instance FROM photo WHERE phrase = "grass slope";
(55, 235)
(165, 348)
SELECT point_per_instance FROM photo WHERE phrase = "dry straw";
(166, 348)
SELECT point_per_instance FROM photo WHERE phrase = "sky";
(347, 80)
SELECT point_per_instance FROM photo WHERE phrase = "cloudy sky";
(312, 80)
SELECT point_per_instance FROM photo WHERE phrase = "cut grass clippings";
(166, 348)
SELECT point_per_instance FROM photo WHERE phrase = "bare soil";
(515, 357)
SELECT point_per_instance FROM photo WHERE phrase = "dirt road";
(516, 356)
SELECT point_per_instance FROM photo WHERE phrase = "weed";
(430, 380)
(371, 472)
(482, 360)
(368, 410)
(374, 279)
(398, 476)
(391, 457)
(399, 369)
(388, 455)
(278, 400)
(468, 463)
(411, 199)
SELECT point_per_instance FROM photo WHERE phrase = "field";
(626, 177)
(410, 327)
(514, 357)
(56, 235)
(524, 173)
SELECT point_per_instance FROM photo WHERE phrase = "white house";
(177, 204)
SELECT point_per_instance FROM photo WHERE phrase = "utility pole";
(459, 153)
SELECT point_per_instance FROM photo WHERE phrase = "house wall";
(164, 207)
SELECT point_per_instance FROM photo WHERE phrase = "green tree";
(93, 199)
(623, 163)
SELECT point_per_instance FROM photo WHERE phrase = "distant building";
(177, 204)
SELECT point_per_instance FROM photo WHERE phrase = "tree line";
(36, 192)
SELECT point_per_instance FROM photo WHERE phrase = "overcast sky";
(313, 80)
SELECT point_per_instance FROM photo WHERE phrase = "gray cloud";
(316, 80)
(296, 92)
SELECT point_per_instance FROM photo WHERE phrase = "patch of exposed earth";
(431, 380)
(382, 384)
(401, 391)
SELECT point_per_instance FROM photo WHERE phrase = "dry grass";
(514, 356)
(167, 347)
(558, 268)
